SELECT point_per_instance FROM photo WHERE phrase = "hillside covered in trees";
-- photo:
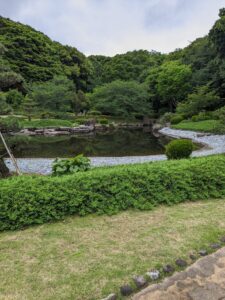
(40, 75)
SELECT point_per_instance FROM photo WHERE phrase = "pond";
(108, 144)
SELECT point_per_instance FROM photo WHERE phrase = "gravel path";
(214, 144)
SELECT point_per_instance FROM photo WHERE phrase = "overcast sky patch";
(116, 26)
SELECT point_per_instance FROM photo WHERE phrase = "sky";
(109, 27)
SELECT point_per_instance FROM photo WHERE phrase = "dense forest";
(40, 76)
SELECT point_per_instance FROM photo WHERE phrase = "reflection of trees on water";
(116, 143)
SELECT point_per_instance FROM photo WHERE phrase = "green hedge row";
(30, 200)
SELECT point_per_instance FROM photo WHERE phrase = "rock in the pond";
(168, 269)
(126, 290)
(181, 263)
(192, 257)
(222, 239)
(154, 275)
(203, 252)
(111, 297)
(140, 281)
(215, 246)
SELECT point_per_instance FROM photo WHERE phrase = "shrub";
(202, 116)
(176, 119)
(178, 149)
(27, 200)
(9, 124)
(220, 114)
(68, 166)
(103, 121)
(166, 118)
(94, 113)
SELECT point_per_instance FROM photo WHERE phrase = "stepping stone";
(203, 252)
(154, 275)
(181, 263)
(192, 257)
(140, 281)
(126, 290)
(215, 246)
(168, 269)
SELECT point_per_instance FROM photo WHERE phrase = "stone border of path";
(199, 264)
(214, 144)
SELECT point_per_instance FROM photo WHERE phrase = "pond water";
(109, 144)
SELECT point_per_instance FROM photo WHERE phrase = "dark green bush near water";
(29, 200)
(178, 149)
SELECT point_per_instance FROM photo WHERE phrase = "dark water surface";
(115, 143)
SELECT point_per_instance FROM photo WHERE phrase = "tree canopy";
(121, 98)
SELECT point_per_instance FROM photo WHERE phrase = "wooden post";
(10, 154)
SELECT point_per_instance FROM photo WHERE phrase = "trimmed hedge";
(28, 200)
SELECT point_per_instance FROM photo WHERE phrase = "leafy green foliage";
(201, 100)
(9, 124)
(217, 34)
(176, 119)
(126, 67)
(173, 83)
(37, 58)
(55, 94)
(79, 163)
(28, 200)
(179, 149)
(103, 121)
(14, 98)
(121, 98)
(5, 108)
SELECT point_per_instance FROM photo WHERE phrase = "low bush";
(219, 114)
(27, 200)
(178, 149)
(166, 118)
(202, 116)
(94, 113)
(103, 121)
(69, 166)
(9, 124)
(176, 119)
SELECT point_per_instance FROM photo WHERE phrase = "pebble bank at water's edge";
(214, 144)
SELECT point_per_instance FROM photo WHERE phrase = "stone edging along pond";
(213, 144)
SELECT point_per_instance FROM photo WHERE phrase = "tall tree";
(173, 83)
(121, 98)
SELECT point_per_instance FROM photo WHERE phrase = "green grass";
(88, 258)
(42, 123)
(205, 126)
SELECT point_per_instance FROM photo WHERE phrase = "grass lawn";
(90, 257)
(41, 123)
(206, 126)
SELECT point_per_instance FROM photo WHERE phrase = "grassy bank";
(214, 126)
(88, 258)
(42, 123)
(28, 200)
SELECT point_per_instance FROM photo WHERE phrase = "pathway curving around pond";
(214, 144)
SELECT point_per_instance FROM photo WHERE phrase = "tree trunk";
(4, 171)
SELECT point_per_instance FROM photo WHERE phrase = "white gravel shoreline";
(215, 144)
